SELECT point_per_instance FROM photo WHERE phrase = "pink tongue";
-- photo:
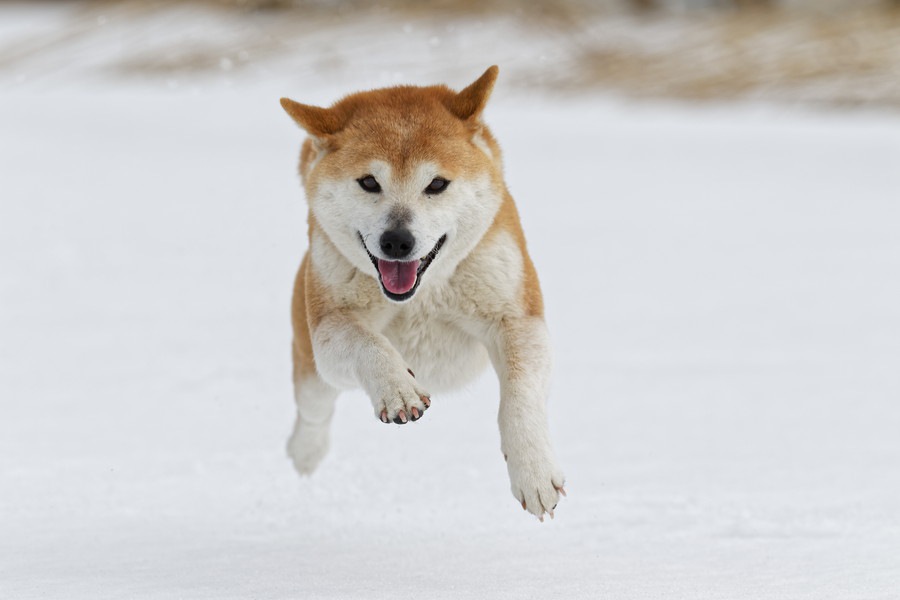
(398, 277)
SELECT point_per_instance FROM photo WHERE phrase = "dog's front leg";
(521, 356)
(349, 354)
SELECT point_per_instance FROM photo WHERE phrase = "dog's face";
(403, 181)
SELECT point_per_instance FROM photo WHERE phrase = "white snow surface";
(722, 289)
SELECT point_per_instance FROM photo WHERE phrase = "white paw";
(399, 399)
(535, 480)
(307, 446)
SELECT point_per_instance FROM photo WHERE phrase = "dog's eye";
(437, 185)
(369, 183)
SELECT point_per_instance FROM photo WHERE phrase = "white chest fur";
(441, 353)
(441, 332)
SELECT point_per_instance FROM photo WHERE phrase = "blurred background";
(711, 196)
(832, 52)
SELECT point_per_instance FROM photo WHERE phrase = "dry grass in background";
(838, 58)
(842, 57)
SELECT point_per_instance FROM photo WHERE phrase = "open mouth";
(400, 279)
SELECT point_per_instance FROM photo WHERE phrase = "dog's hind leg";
(308, 443)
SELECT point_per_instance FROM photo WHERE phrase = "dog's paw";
(307, 446)
(536, 482)
(400, 400)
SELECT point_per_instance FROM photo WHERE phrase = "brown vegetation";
(835, 57)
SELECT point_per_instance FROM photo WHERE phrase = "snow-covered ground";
(723, 292)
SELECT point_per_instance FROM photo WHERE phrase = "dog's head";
(402, 180)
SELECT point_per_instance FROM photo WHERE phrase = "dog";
(417, 274)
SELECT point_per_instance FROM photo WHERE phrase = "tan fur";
(507, 219)
(479, 298)
(304, 362)
(403, 125)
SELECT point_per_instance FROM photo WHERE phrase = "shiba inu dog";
(417, 274)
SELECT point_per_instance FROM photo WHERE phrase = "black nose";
(397, 243)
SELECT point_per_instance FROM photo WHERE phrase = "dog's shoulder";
(498, 277)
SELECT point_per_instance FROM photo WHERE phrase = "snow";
(722, 292)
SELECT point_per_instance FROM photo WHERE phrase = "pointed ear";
(469, 103)
(318, 122)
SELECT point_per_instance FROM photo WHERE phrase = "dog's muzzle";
(400, 279)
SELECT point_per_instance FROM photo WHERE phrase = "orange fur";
(481, 302)
(304, 362)
(507, 219)
(403, 126)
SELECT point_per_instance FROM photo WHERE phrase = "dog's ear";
(318, 122)
(468, 104)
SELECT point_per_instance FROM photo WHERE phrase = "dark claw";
(411, 373)
(398, 421)
(554, 507)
